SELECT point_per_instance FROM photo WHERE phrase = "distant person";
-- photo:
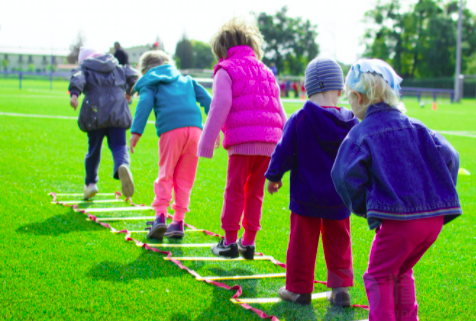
(274, 69)
(308, 148)
(120, 54)
(104, 112)
(252, 122)
(173, 98)
(401, 177)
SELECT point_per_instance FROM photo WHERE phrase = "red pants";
(244, 192)
(302, 252)
(389, 282)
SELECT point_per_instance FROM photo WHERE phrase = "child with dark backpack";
(400, 176)
(104, 113)
(308, 148)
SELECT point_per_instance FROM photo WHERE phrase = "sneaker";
(125, 176)
(175, 230)
(247, 252)
(303, 299)
(159, 226)
(90, 191)
(228, 251)
(340, 297)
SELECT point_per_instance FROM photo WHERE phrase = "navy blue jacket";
(393, 167)
(308, 148)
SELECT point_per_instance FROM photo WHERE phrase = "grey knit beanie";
(323, 74)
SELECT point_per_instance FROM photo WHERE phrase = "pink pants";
(302, 251)
(389, 282)
(244, 192)
(178, 162)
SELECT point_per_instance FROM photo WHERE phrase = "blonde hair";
(376, 89)
(154, 58)
(237, 32)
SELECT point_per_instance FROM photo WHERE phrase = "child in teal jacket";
(173, 98)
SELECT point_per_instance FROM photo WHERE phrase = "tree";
(74, 49)
(419, 42)
(290, 43)
(202, 55)
(184, 53)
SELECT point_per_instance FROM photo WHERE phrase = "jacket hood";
(104, 63)
(330, 125)
(156, 75)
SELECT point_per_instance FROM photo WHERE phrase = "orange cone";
(435, 107)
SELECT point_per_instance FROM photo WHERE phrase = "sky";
(56, 23)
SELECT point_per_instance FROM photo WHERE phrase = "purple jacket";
(393, 167)
(308, 148)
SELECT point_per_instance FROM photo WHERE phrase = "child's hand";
(133, 141)
(217, 142)
(129, 98)
(273, 187)
(74, 101)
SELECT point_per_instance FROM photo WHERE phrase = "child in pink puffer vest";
(247, 108)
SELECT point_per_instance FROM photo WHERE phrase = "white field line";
(145, 231)
(137, 218)
(49, 116)
(459, 133)
(81, 194)
(35, 96)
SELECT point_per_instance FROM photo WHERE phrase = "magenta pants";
(389, 282)
(178, 162)
(244, 193)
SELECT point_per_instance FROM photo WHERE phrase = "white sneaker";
(90, 191)
(125, 176)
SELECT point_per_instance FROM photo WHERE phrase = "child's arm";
(202, 96)
(76, 86)
(143, 109)
(132, 76)
(449, 154)
(284, 157)
(350, 176)
(219, 110)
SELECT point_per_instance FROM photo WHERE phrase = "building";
(32, 60)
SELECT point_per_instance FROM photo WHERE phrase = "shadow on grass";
(149, 265)
(60, 224)
(221, 308)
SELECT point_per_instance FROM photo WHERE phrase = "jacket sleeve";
(143, 109)
(202, 95)
(132, 76)
(351, 176)
(448, 152)
(284, 157)
(77, 82)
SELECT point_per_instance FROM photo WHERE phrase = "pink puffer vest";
(254, 114)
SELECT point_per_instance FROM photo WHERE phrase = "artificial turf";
(56, 265)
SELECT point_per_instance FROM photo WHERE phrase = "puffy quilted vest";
(254, 114)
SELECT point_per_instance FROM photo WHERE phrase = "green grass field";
(56, 265)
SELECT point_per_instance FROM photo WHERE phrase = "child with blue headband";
(400, 176)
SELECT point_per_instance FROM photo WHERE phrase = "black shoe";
(159, 226)
(229, 251)
(175, 230)
(247, 252)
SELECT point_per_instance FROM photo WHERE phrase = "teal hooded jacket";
(173, 98)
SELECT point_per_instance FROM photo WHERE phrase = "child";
(308, 148)
(104, 112)
(173, 98)
(400, 176)
(246, 106)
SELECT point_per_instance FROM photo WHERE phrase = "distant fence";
(26, 75)
(434, 92)
(469, 84)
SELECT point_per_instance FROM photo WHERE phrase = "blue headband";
(374, 66)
